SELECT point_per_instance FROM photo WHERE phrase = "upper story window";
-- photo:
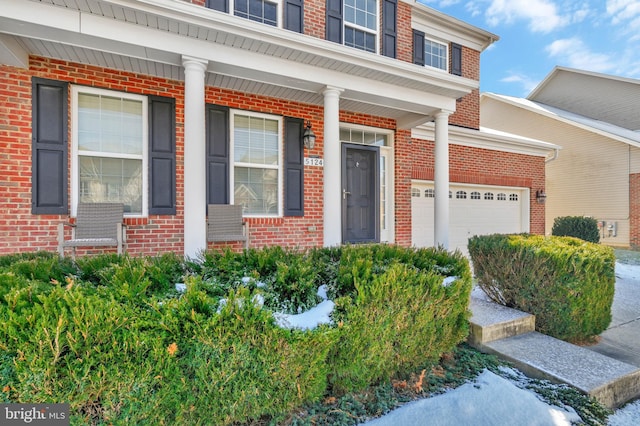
(435, 54)
(287, 14)
(361, 24)
(109, 148)
(257, 10)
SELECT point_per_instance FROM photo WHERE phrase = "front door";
(360, 194)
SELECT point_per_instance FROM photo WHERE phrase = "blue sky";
(536, 35)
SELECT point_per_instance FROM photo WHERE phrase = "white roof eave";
(491, 139)
(608, 130)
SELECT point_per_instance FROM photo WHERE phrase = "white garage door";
(473, 210)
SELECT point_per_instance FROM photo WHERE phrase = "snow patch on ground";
(311, 319)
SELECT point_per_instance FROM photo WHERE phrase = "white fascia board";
(489, 139)
(255, 63)
(226, 22)
(206, 19)
(592, 126)
(448, 28)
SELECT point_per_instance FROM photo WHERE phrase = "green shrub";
(113, 338)
(567, 283)
(585, 228)
(399, 315)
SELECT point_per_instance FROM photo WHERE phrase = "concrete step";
(609, 381)
(490, 321)
(510, 334)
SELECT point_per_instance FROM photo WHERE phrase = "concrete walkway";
(608, 371)
(621, 340)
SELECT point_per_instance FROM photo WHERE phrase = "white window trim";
(389, 234)
(447, 54)
(75, 171)
(280, 167)
(279, 12)
(376, 32)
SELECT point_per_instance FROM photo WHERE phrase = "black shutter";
(49, 161)
(162, 155)
(294, 167)
(334, 20)
(294, 15)
(218, 168)
(418, 47)
(389, 27)
(456, 59)
(221, 5)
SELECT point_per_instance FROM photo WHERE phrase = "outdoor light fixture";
(308, 137)
(541, 197)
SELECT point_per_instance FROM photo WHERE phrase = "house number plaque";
(313, 161)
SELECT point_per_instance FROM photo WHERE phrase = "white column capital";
(191, 62)
(332, 91)
(443, 113)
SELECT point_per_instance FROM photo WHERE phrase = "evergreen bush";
(585, 228)
(566, 282)
(111, 336)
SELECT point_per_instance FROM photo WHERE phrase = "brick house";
(170, 105)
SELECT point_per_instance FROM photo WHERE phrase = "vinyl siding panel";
(590, 177)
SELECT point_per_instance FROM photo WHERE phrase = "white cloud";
(574, 53)
(527, 83)
(542, 15)
(625, 15)
(623, 10)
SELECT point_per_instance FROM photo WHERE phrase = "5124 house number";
(314, 161)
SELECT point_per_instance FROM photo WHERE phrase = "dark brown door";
(360, 194)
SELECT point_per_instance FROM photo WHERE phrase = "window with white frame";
(257, 10)
(109, 146)
(361, 24)
(435, 54)
(264, 11)
(257, 182)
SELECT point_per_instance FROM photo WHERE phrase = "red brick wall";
(634, 210)
(487, 167)
(27, 232)
(154, 234)
(468, 108)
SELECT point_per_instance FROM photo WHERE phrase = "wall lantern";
(308, 137)
(541, 197)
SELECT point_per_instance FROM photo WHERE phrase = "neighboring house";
(171, 105)
(596, 120)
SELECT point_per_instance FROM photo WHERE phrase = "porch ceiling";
(151, 36)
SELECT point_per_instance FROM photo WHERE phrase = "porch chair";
(225, 223)
(96, 225)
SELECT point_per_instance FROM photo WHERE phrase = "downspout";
(553, 157)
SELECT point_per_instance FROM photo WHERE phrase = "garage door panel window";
(475, 195)
(513, 197)
(461, 195)
(502, 197)
(488, 195)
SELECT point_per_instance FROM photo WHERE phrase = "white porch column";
(441, 180)
(195, 173)
(332, 168)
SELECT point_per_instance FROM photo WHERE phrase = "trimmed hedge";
(585, 228)
(112, 337)
(567, 283)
